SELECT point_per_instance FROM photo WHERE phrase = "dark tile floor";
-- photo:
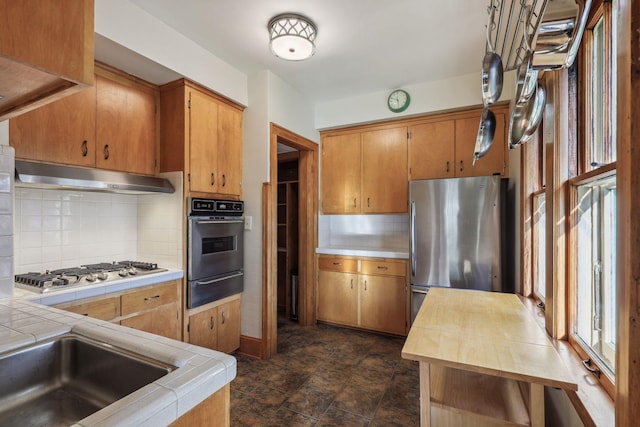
(327, 376)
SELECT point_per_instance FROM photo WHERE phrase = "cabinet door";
(229, 150)
(203, 144)
(384, 171)
(383, 303)
(203, 328)
(126, 135)
(160, 321)
(341, 174)
(60, 132)
(229, 326)
(338, 297)
(431, 150)
(493, 162)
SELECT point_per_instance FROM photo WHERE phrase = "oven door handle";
(219, 222)
(209, 282)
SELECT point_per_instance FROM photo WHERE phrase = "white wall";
(426, 97)
(126, 24)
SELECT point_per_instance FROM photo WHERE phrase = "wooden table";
(484, 361)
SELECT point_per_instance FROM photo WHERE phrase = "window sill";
(591, 401)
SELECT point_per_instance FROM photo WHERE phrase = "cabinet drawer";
(103, 309)
(149, 298)
(385, 268)
(346, 265)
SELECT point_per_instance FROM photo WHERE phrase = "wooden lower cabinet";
(380, 303)
(160, 321)
(338, 297)
(214, 411)
(367, 293)
(217, 325)
(155, 309)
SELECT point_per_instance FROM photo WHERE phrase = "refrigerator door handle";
(413, 238)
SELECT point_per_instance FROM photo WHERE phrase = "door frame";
(307, 235)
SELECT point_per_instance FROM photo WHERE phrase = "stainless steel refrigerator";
(457, 235)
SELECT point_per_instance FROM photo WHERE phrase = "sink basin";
(63, 380)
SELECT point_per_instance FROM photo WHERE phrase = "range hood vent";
(43, 175)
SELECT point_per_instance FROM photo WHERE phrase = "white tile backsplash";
(364, 231)
(7, 244)
(58, 228)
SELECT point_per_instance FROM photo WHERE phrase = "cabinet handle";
(382, 267)
(224, 180)
(212, 323)
(337, 263)
(461, 165)
(106, 152)
(354, 202)
(213, 179)
(351, 283)
(152, 298)
(85, 148)
(365, 285)
(447, 165)
(223, 318)
(368, 202)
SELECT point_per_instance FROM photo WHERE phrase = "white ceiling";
(363, 46)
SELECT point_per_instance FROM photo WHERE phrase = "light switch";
(248, 222)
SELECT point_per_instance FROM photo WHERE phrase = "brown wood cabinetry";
(201, 134)
(365, 172)
(216, 325)
(155, 309)
(126, 125)
(443, 146)
(46, 52)
(113, 125)
(369, 293)
(61, 132)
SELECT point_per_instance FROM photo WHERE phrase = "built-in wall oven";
(215, 260)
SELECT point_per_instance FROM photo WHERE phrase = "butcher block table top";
(490, 340)
(486, 332)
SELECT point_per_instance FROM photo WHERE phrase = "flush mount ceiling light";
(291, 36)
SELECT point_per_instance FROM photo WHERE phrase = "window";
(596, 270)
(593, 203)
(539, 246)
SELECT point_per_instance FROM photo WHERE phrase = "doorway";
(307, 225)
(288, 234)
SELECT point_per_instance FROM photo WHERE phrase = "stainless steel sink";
(63, 380)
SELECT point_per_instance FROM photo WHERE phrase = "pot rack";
(512, 28)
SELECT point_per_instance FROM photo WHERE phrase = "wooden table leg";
(425, 395)
(536, 405)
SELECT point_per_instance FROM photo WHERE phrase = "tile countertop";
(200, 372)
(400, 253)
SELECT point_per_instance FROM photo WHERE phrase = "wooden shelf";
(481, 399)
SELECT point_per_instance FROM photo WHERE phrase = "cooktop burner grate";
(84, 275)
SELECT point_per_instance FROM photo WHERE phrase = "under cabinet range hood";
(44, 175)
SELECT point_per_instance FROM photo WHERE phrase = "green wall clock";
(398, 100)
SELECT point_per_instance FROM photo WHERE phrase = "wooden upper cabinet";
(201, 134)
(432, 150)
(491, 163)
(127, 126)
(113, 125)
(384, 171)
(341, 174)
(60, 132)
(444, 148)
(229, 150)
(203, 145)
(46, 52)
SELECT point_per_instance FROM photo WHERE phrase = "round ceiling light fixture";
(291, 36)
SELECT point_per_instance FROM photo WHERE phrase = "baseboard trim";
(252, 347)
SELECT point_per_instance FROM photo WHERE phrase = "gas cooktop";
(89, 274)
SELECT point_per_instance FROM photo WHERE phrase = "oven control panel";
(213, 207)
